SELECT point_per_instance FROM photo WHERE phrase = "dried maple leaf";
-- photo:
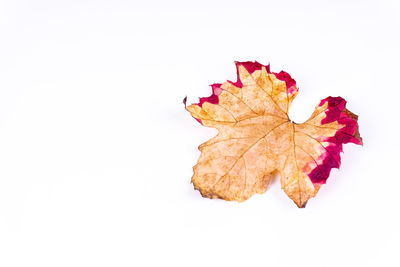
(256, 139)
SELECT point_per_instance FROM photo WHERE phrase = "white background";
(96, 149)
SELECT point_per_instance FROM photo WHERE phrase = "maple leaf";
(256, 139)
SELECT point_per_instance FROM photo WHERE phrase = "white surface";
(96, 149)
